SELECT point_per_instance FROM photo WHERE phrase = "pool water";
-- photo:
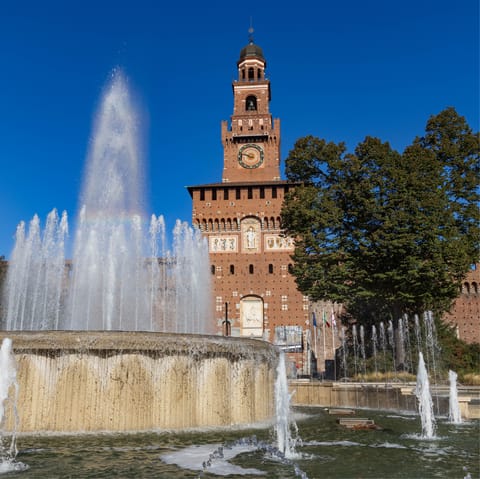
(327, 450)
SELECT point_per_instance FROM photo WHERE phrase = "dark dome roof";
(251, 50)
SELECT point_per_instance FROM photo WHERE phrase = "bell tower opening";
(251, 103)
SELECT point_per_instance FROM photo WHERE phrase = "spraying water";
(454, 414)
(391, 340)
(355, 349)
(8, 392)
(425, 404)
(362, 349)
(383, 345)
(122, 275)
(284, 422)
(374, 348)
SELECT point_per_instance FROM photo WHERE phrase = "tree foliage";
(385, 232)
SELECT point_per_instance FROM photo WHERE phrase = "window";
(250, 193)
(232, 269)
(202, 195)
(251, 103)
(237, 193)
(214, 194)
(274, 191)
(251, 74)
(270, 268)
(212, 268)
(250, 268)
(262, 192)
(225, 193)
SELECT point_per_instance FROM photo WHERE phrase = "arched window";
(251, 74)
(474, 288)
(251, 103)
(259, 74)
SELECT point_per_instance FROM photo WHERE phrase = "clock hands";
(250, 155)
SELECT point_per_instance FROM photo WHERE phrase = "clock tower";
(252, 142)
(254, 293)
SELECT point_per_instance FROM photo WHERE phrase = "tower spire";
(250, 31)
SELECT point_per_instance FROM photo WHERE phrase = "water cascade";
(454, 414)
(425, 404)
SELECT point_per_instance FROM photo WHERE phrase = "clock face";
(250, 156)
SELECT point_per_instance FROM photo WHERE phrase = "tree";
(382, 232)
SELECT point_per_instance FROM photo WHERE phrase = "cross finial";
(250, 32)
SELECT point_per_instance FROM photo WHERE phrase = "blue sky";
(339, 70)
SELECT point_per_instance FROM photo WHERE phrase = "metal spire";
(250, 32)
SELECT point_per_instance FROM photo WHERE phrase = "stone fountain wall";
(131, 381)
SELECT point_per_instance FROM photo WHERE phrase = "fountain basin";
(93, 381)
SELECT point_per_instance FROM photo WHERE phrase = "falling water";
(425, 404)
(8, 394)
(454, 414)
(122, 275)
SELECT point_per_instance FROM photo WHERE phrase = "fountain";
(284, 424)
(117, 339)
(8, 388)
(122, 275)
(425, 404)
(454, 414)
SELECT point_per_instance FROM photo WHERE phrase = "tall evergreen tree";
(382, 232)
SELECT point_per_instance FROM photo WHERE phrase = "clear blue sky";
(339, 70)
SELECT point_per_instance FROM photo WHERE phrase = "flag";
(314, 319)
(325, 319)
(333, 321)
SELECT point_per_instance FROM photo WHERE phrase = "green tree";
(382, 232)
